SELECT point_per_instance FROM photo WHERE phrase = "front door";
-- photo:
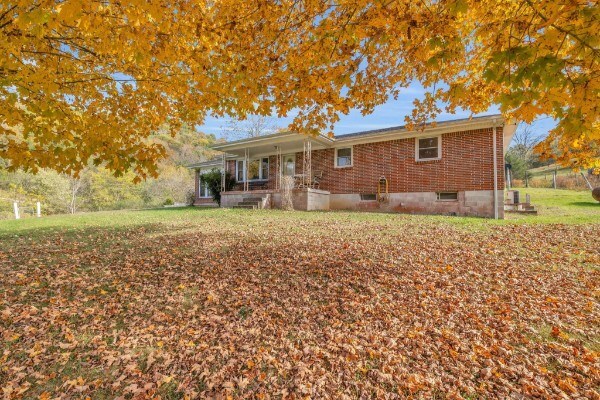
(289, 165)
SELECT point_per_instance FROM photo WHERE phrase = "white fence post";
(16, 208)
(38, 208)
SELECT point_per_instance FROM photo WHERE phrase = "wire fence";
(558, 178)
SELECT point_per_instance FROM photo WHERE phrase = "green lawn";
(215, 303)
(554, 206)
(559, 206)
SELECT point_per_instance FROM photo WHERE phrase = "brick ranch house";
(453, 167)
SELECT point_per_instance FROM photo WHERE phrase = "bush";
(190, 196)
(168, 202)
(213, 181)
(518, 183)
(540, 183)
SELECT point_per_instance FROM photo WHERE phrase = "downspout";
(494, 152)
(197, 186)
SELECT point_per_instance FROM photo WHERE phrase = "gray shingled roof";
(400, 127)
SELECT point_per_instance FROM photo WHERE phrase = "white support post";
(278, 169)
(246, 161)
(16, 209)
(309, 163)
(223, 174)
(38, 208)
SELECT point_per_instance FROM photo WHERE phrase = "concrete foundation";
(478, 203)
(303, 199)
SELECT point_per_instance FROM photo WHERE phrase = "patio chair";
(316, 179)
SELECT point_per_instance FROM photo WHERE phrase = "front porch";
(304, 199)
(258, 165)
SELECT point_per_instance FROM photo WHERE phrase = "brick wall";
(466, 165)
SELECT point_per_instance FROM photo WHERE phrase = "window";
(368, 197)
(429, 148)
(258, 169)
(447, 196)
(204, 190)
(264, 168)
(239, 175)
(289, 165)
(253, 170)
(343, 157)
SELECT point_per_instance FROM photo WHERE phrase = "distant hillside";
(98, 189)
(187, 147)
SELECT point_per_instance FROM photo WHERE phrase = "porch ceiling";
(265, 145)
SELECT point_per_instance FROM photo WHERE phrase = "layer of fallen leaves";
(328, 307)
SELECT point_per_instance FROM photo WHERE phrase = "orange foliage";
(84, 80)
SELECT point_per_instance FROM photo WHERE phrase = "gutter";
(495, 155)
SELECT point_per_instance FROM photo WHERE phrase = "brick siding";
(466, 165)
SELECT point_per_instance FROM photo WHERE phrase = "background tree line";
(98, 189)
(520, 155)
(528, 169)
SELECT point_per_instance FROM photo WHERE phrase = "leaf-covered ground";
(295, 305)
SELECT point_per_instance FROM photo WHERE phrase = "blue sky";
(391, 113)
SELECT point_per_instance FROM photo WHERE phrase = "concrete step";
(531, 212)
(248, 207)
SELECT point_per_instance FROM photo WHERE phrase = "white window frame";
(335, 157)
(283, 157)
(204, 192)
(439, 157)
(202, 188)
(245, 168)
(439, 195)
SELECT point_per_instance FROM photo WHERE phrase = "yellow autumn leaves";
(83, 81)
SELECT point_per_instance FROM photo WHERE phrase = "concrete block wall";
(478, 203)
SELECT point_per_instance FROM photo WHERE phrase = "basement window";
(368, 197)
(447, 196)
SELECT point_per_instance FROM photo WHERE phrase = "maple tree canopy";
(91, 80)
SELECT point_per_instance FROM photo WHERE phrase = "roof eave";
(437, 129)
(273, 138)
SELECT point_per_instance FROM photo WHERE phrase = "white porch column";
(246, 161)
(307, 163)
(223, 174)
(278, 168)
